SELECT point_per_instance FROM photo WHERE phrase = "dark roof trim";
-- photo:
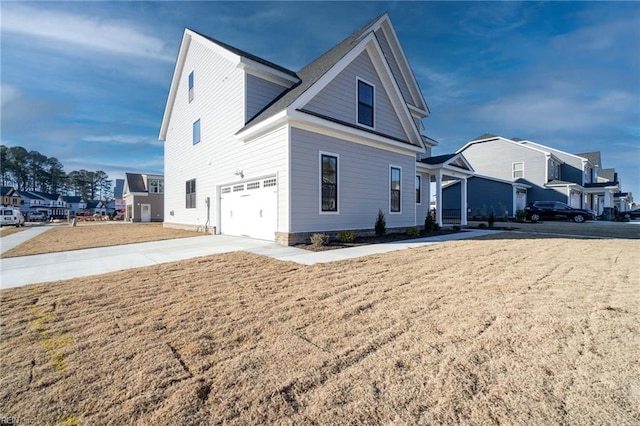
(438, 159)
(353, 126)
(247, 55)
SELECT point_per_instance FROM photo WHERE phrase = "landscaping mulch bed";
(363, 241)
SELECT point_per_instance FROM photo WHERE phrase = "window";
(190, 86)
(191, 194)
(518, 170)
(395, 189)
(196, 131)
(156, 186)
(418, 190)
(365, 103)
(329, 183)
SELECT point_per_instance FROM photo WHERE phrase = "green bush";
(319, 239)
(482, 225)
(381, 224)
(429, 224)
(347, 236)
(413, 231)
(457, 228)
(521, 215)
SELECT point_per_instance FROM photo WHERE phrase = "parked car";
(632, 214)
(9, 216)
(35, 216)
(556, 210)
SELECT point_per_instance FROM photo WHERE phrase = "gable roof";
(72, 199)
(310, 76)
(487, 137)
(593, 157)
(7, 191)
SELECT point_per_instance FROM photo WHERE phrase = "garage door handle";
(260, 213)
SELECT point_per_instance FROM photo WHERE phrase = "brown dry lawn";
(98, 234)
(509, 331)
(8, 230)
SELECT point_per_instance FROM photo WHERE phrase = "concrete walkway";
(20, 271)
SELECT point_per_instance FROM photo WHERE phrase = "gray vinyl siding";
(338, 99)
(395, 69)
(259, 93)
(363, 184)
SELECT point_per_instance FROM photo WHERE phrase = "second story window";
(365, 103)
(518, 170)
(190, 86)
(196, 131)
(155, 186)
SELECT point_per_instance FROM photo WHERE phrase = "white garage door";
(250, 209)
(574, 199)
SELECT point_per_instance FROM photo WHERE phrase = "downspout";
(206, 225)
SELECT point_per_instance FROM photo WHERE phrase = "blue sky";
(87, 82)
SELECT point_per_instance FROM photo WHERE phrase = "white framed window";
(418, 189)
(196, 131)
(190, 86)
(366, 103)
(156, 186)
(329, 183)
(395, 186)
(518, 170)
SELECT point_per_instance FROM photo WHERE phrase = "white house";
(254, 149)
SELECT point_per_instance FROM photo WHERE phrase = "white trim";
(373, 107)
(391, 167)
(337, 157)
(267, 73)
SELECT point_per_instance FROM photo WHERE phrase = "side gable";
(134, 184)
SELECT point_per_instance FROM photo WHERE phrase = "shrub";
(491, 220)
(319, 239)
(381, 224)
(347, 236)
(429, 224)
(521, 215)
(457, 228)
(482, 226)
(413, 231)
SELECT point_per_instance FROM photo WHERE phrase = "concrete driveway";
(19, 271)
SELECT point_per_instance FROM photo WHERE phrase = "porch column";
(439, 197)
(608, 199)
(463, 202)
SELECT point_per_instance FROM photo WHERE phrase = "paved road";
(592, 229)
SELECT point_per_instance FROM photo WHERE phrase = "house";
(53, 205)
(143, 196)
(10, 197)
(96, 207)
(255, 149)
(550, 174)
(75, 203)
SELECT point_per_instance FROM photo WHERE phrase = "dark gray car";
(555, 210)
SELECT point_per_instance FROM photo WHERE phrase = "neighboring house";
(10, 197)
(96, 207)
(255, 149)
(486, 195)
(119, 205)
(75, 203)
(143, 196)
(52, 205)
(551, 174)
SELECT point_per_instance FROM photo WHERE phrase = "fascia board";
(551, 150)
(260, 70)
(336, 130)
(173, 88)
(399, 105)
(263, 127)
(405, 69)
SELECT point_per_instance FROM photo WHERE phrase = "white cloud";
(82, 31)
(122, 139)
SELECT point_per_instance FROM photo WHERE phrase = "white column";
(463, 201)
(608, 198)
(439, 197)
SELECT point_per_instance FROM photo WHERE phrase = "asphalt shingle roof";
(135, 182)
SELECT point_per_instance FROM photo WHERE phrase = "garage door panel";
(250, 209)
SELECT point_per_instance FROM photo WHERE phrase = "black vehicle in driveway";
(556, 210)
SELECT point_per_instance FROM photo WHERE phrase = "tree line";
(32, 171)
